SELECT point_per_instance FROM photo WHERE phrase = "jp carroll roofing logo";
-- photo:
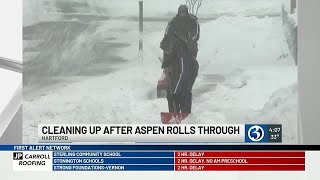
(20, 156)
(17, 156)
(31, 159)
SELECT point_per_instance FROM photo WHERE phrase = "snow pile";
(258, 101)
(242, 92)
(282, 108)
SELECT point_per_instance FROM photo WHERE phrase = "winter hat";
(183, 9)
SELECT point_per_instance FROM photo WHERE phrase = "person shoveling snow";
(180, 66)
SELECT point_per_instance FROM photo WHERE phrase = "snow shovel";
(172, 117)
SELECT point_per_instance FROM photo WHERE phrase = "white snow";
(282, 108)
(246, 76)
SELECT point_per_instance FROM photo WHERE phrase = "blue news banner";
(113, 161)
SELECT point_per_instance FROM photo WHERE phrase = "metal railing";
(11, 65)
(8, 122)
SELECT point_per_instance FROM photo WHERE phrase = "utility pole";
(141, 30)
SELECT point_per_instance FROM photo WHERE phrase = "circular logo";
(256, 133)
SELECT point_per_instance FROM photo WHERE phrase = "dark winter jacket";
(181, 36)
(180, 50)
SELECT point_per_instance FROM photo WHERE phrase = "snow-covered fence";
(290, 28)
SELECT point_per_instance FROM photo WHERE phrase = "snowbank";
(282, 108)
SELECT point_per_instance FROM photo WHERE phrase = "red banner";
(239, 161)
(239, 154)
(199, 161)
(240, 168)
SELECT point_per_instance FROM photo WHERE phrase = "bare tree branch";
(194, 6)
(199, 5)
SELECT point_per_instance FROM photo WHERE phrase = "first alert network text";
(144, 130)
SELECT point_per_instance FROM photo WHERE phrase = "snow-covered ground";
(246, 76)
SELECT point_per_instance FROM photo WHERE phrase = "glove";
(166, 60)
(165, 63)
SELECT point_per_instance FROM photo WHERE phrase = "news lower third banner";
(231, 133)
(137, 158)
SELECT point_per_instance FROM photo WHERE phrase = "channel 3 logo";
(256, 133)
(17, 156)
